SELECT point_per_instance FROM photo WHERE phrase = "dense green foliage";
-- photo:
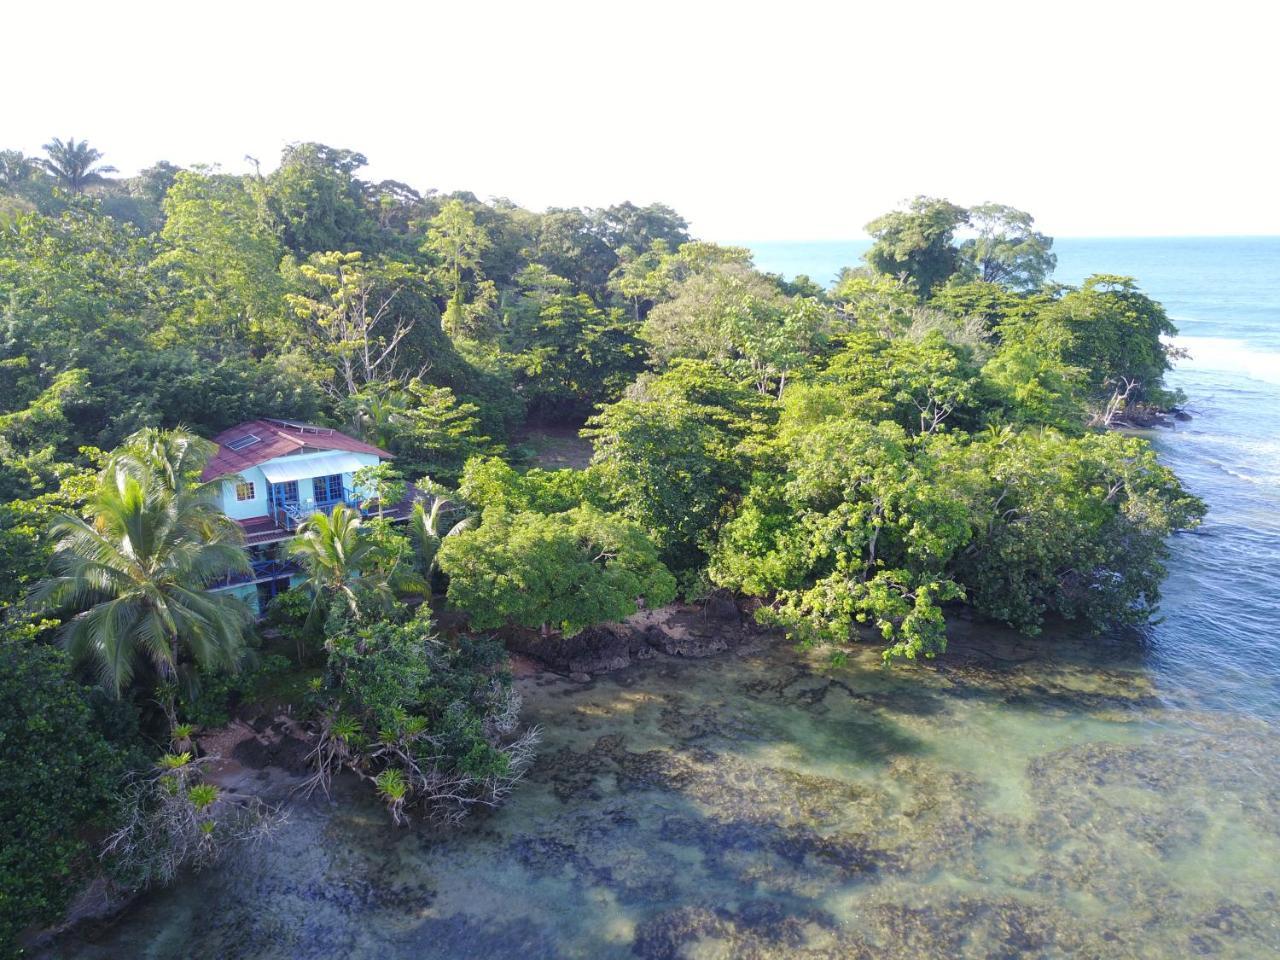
(675, 451)
(566, 570)
(60, 775)
(930, 431)
(428, 721)
(133, 578)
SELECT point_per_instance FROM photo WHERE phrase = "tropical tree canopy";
(565, 571)
(134, 573)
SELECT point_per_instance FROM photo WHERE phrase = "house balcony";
(282, 520)
(288, 515)
(260, 570)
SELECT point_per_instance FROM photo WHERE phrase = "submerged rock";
(1001, 803)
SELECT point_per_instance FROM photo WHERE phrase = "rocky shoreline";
(264, 755)
(678, 630)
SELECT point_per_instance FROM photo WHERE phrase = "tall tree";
(15, 169)
(567, 243)
(74, 164)
(221, 262)
(457, 241)
(626, 225)
(640, 277)
(352, 317)
(734, 316)
(1007, 249)
(917, 244)
(316, 201)
(75, 290)
(570, 355)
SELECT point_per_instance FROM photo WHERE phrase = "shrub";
(431, 723)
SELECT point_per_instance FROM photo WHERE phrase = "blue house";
(276, 473)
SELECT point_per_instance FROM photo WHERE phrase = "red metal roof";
(277, 438)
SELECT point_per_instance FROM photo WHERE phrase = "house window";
(327, 489)
(244, 490)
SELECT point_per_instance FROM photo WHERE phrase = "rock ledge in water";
(676, 630)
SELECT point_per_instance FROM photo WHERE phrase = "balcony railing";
(288, 514)
(259, 570)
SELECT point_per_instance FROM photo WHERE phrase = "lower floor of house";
(272, 572)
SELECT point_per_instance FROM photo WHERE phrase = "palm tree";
(74, 164)
(173, 457)
(135, 575)
(335, 553)
(375, 414)
(426, 522)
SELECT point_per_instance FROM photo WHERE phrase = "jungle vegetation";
(933, 430)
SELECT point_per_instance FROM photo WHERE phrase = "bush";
(432, 723)
(218, 694)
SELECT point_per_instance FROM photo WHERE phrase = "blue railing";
(348, 497)
(289, 513)
(259, 570)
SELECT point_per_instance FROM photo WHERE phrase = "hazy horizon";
(800, 126)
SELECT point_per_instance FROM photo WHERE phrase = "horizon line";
(1055, 238)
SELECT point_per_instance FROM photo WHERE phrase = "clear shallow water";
(1048, 798)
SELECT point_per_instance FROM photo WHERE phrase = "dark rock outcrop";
(599, 649)
(678, 631)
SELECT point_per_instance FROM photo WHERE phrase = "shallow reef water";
(1016, 799)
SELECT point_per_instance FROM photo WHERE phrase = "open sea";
(1065, 796)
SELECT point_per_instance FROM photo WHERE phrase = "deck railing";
(259, 570)
(288, 514)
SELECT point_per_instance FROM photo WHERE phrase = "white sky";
(790, 120)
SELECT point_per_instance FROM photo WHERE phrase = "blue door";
(327, 490)
(285, 493)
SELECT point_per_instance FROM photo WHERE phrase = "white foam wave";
(1226, 355)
